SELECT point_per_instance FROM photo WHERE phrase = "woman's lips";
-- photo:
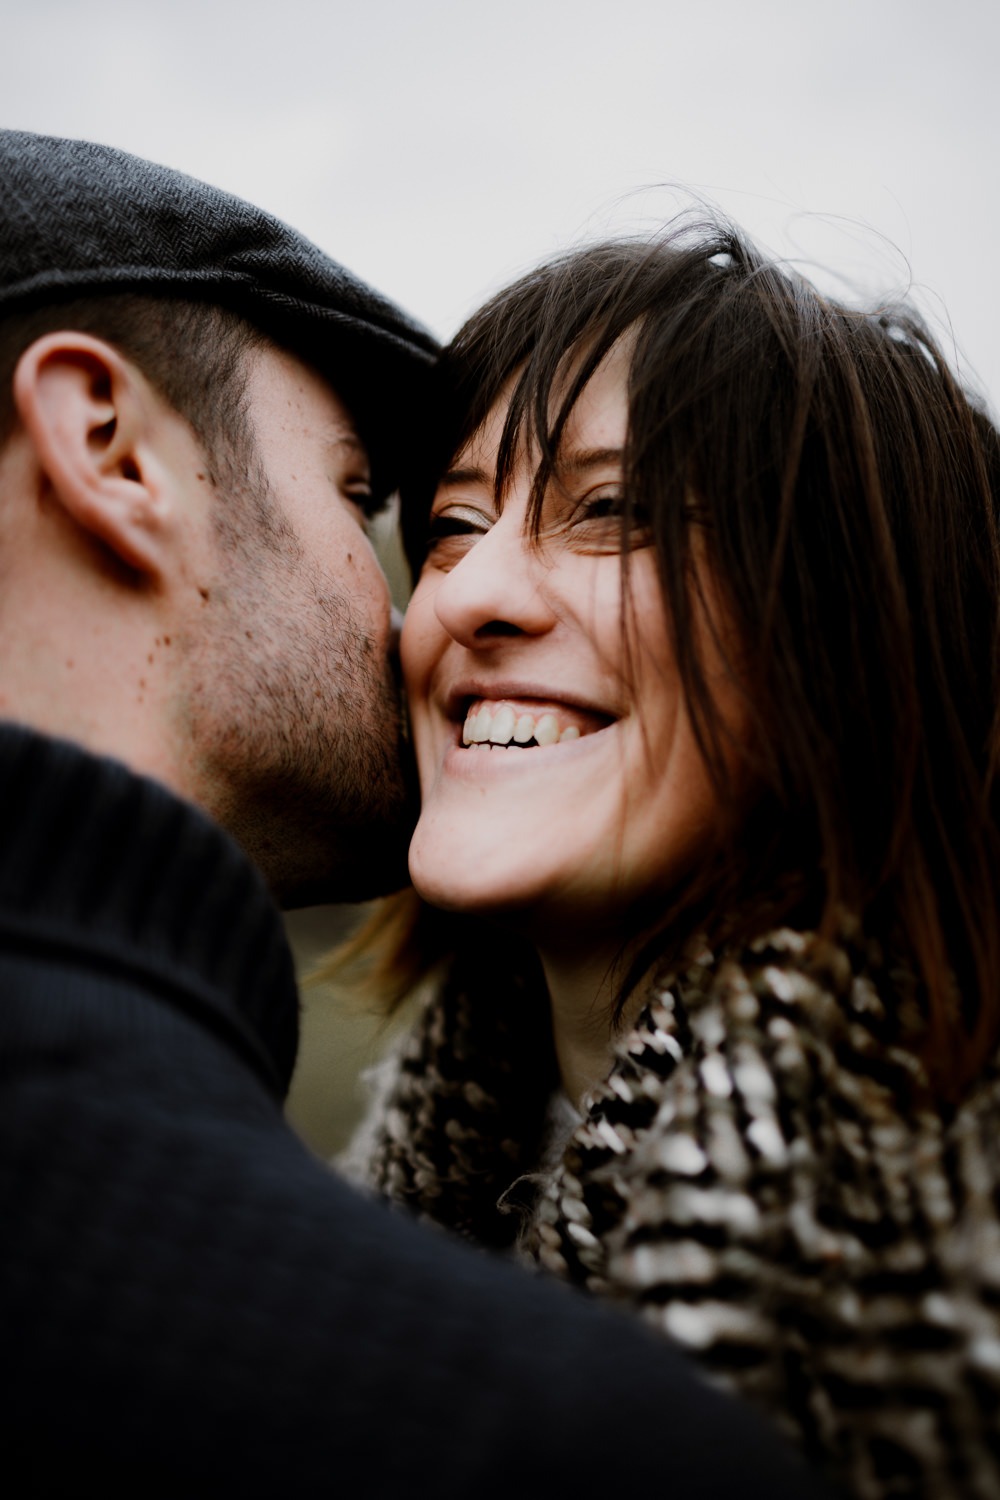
(527, 722)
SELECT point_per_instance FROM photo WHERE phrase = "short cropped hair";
(194, 354)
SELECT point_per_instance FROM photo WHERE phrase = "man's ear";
(91, 418)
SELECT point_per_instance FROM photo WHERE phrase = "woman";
(702, 664)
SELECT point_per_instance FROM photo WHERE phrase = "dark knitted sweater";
(189, 1302)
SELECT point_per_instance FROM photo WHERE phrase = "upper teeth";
(501, 725)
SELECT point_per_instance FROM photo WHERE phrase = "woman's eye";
(599, 507)
(597, 520)
(451, 532)
(440, 527)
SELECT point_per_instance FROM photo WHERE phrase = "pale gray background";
(439, 146)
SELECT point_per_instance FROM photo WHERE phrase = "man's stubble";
(293, 711)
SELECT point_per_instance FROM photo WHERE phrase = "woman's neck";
(582, 989)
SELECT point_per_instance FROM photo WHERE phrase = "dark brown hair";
(841, 489)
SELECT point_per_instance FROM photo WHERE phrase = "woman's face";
(559, 773)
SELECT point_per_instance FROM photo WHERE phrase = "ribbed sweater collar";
(95, 860)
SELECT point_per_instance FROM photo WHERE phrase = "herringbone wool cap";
(78, 218)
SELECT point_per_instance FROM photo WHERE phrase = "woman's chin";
(452, 875)
(462, 891)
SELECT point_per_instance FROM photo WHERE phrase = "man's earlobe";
(88, 413)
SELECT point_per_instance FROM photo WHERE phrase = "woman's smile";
(526, 724)
(502, 735)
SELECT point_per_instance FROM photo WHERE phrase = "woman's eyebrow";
(577, 461)
(581, 459)
(465, 476)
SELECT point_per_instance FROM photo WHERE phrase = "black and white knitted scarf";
(763, 1175)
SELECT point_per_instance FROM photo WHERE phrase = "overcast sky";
(439, 146)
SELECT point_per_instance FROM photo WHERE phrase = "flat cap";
(78, 219)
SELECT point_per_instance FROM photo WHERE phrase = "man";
(191, 623)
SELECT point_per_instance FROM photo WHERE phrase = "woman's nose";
(497, 590)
